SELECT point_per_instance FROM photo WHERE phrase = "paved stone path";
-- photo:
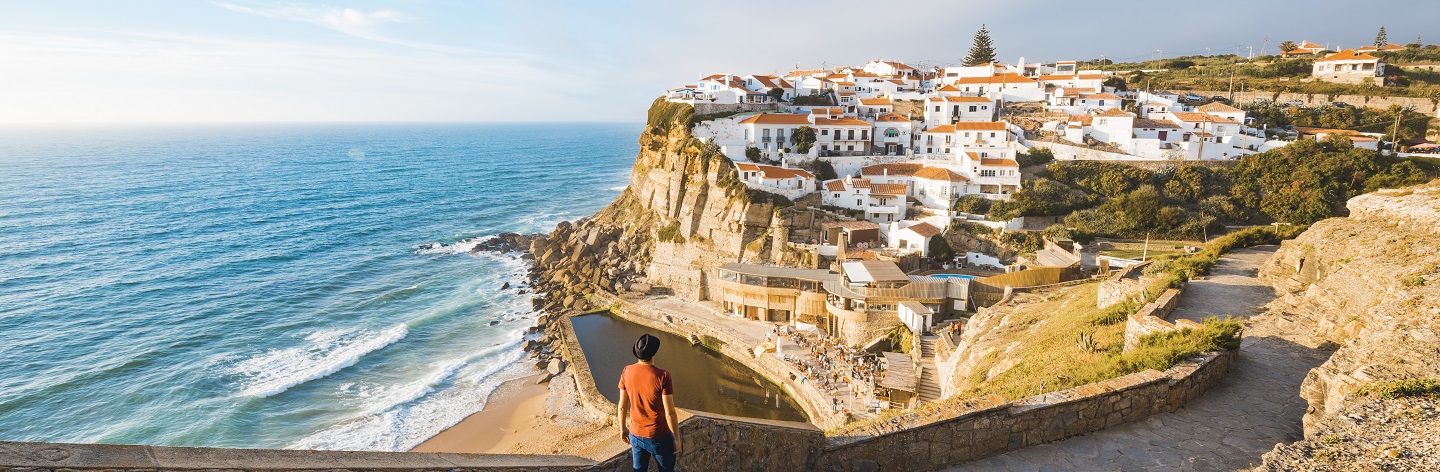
(1256, 406)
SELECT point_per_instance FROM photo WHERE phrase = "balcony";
(848, 315)
(873, 208)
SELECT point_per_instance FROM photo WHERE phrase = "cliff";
(684, 214)
(1369, 285)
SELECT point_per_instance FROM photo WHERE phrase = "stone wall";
(1422, 105)
(1151, 318)
(970, 431)
(707, 108)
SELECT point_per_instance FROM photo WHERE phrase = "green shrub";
(1038, 156)
(1164, 349)
(753, 154)
(901, 339)
(972, 204)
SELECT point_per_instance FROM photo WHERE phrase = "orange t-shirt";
(643, 385)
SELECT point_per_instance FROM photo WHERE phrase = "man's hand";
(624, 435)
(677, 444)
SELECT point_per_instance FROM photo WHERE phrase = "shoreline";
(507, 410)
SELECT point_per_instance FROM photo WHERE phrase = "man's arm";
(623, 412)
(671, 419)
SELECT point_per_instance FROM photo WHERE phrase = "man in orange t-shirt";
(647, 410)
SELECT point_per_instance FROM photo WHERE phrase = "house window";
(987, 173)
(972, 109)
(937, 108)
(851, 135)
(992, 135)
(859, 202)
(849, 148)
(824, 132)
(967, 134)
(837, 195)
(891, 132)
(765, 132)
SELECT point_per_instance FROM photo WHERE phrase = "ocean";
(272, 286)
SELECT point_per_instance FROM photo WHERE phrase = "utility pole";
(1395, 134)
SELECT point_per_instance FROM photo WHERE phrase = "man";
(647, 410)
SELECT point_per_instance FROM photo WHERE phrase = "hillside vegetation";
(1301, 183)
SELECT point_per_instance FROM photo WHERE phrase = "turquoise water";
(952, 276)
(264, 286)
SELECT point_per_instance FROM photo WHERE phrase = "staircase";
(929, 381)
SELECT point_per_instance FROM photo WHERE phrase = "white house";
(912, 238)
(1113, 126)
(765, 83)
(870, 108)
(893, 134)
(1222, 110)
(1087, 81)
(882, 203)
(792, 183)
(1008, 87)
(945, 109)
(992, 177)
(1350, 67)
(842, 136)
(772, 131)
(890, 68)
(938, 187)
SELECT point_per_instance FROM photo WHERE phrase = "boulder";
(555, 367)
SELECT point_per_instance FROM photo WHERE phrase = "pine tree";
(1381, 39)
(983, 51)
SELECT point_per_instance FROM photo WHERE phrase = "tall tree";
(1288, 46)
(983, 51)
(1381, 39)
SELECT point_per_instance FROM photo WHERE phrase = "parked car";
(1220, 99)
(1340, 104)
(1295, 103)
(1190, 97)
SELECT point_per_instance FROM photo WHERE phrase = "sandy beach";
(522, 417)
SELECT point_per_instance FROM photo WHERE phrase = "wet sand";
(515, 407)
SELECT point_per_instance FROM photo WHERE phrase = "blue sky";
(535, 60)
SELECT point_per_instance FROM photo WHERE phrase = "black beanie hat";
(645, 347)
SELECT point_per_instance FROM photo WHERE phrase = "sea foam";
(324, 353)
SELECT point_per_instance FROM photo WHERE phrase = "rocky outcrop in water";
(1368, 284)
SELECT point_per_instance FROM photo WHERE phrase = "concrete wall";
(1151, 318)
(707, 108)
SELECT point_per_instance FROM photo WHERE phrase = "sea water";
(274, 286)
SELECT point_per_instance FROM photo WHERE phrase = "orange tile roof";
(875, 101)
(864, 74)
(777, 119)
(1156, 124)
(1084, 120)
(1349, 55)
(888, 189)
(1115, 112)
(948, 88)
(980, 126)
(1059, 77)
(899, 65)
(1217, 107)
(924, 229)
(851, 225)
(891, 117)
(891, 169)
(1099, 96)
(746, 167)
(998, 79)
(1076, 92)
(836, 185)
(995, 161)
(948, 98)
(846, 121)
(1197, 117)
(940, 173)
(942, 129)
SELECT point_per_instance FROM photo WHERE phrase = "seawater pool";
(952, 276)
(704, 380)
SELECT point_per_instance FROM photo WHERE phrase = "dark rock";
(494, 322)
(505, 286)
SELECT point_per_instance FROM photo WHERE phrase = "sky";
(164, 61)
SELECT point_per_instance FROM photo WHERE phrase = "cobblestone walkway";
(1256, 406)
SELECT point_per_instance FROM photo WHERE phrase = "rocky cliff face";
(1370, 285)
(684, 214)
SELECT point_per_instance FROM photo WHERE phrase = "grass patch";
(1138, 253)
(901, 339)
(1200, 263)
(1050, 358)
(671, 233)
(1402, 388)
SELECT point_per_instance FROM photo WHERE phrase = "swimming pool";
(952, 276)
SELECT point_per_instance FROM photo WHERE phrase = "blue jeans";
(663, 449)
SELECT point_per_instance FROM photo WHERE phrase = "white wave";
(327, 352)
(463, 246)
(618, 188)
(402, 427)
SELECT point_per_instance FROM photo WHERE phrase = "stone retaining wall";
(984, 428)
(1422, 105)
(590, 395)
(1151, 318)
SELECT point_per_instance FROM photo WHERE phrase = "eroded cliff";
(1368, 284)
